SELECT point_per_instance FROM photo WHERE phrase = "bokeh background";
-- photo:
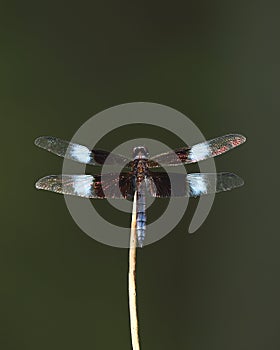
(215, 61)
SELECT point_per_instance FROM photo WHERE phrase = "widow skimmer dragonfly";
(140, 178)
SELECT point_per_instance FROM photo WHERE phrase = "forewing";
(88, 186)
(199, 152)
(176, 157)
(78, 153)
(190, 185)
(215, 147)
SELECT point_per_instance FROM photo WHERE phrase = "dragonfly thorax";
(140, 168)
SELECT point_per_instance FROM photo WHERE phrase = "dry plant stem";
(132, 280)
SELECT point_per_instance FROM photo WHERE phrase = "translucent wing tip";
(207, 183)
(43, 182)
(38, 185)
(53, 183)
(43, 141)
(237, 139)
(237, 181)
(228, 181)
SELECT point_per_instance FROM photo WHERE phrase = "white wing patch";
(198, 185)
(82, 185)
(199, 152)
(80, 153)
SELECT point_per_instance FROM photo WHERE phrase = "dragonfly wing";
(199, 183)
(159, 184)
(191, 185)
(78, 153)
(88, 186)
(215, 147)
(78, 185)
(176, 157)
(199, 152)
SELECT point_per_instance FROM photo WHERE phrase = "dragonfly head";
(140, 152)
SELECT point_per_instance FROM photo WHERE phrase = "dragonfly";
(142, 175)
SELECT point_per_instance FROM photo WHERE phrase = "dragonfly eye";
(140, 152)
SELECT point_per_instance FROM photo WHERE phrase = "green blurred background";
(215, 61)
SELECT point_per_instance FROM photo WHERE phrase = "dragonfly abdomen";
(141, 217)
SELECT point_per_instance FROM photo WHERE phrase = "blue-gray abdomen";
(141, 216)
